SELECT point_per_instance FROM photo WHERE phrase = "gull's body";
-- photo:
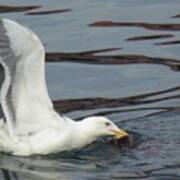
(29, 124)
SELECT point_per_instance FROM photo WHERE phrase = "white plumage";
(29, 124)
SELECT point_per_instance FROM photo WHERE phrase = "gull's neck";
(82, 134)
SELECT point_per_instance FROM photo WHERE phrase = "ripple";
(5, 9)
(150, 37)
(48, 12)
(151, 26)
(90, 57)
(168, 43)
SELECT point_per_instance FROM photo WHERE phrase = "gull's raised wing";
(24, 97)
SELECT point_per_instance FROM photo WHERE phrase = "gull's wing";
(1, 82)
(24, 97)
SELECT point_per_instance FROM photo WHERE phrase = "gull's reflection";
(21, 168)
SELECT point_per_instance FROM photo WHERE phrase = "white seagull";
(29, 124)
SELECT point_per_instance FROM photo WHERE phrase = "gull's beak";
(119, 133)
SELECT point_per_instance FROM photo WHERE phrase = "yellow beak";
(120, 133)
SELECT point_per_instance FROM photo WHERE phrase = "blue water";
(155, 128)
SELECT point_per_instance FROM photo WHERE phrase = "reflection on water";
(5, 9)
(151, 26)
(90, 58)
(150, 37)
(176, 16)
(168, 43)
(48, 12)
(113, 58)
(65, 106)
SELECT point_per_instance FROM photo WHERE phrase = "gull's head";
(98, 126)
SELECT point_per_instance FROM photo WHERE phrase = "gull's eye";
(107, 123)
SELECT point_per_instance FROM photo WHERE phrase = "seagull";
(29, 123)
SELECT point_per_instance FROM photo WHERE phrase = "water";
(115, 58)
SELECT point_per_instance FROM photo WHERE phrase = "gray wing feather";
(1, 82)
(8, 62)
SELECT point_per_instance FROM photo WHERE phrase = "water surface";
(115, 58)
